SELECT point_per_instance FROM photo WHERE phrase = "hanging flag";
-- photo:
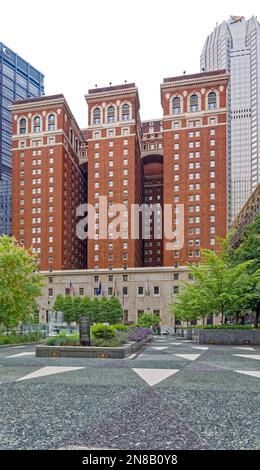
(72, 290)
(99, 292)
(115, 289)
(147, 288)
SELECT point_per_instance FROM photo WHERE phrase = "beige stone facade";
(138, 289)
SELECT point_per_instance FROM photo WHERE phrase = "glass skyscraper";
(234, 45)
(18, 80)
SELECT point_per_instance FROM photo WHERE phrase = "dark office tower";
(18, 80)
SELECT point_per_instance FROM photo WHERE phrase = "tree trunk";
(237, 317)
(257, 313)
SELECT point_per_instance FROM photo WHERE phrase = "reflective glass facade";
(18, 80)
(234, 45)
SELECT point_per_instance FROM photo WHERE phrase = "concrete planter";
(189, 334)
(92, 351)
(228, 336)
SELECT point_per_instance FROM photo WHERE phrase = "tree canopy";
(249, 250)
(148, 320)
(20, 283)
(98, 310)
(219, 288)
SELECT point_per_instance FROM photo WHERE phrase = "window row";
(36, 126)
(111, 114)
(193, 103)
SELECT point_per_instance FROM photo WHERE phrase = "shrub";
(103, 331)
(107, 343)
(148, 320)
(21, 338)
(63, 340)
(120, 327)
(138, 333)
(225, 327)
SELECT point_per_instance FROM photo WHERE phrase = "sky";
(79, 43)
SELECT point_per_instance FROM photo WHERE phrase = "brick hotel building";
(179, 159)
(48, 181)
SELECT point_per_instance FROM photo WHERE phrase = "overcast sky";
(80, 43)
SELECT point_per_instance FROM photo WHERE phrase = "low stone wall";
(228, 336)
(92, 351)
(13, 345)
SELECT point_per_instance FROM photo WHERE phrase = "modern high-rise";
(234, 45)
(18, 80)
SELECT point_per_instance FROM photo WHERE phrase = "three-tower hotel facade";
(178, 160)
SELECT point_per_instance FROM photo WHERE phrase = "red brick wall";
(69, 189)
(220, 159)
(135, 180)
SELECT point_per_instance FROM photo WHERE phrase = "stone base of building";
(159, 287)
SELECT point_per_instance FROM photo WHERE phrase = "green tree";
(148, 320)
(115, 313)
(218, 288)
(59, 304)
(86, 307)
(104, 310)
(20, 283)
(68, 309)
(249, 250)
(94, 310)
(191, 304)
(98, 310)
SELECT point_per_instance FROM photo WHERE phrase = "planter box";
(228, 336)
(92, 351)
(188, 334)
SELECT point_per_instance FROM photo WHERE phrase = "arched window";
(97, 116)
(111, 114)
(176, 105)
(125, 112)
(212, 100)
(22, 126)
(37, 124)
(51, 122)
(194, 103)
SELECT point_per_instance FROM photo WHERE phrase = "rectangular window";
(156, 290)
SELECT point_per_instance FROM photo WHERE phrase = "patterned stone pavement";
(173, 395)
